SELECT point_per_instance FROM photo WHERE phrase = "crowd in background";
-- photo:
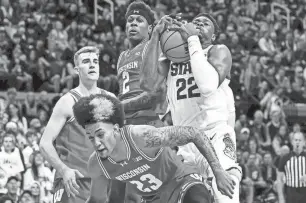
(39, 37)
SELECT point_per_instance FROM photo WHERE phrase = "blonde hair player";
(64, 143)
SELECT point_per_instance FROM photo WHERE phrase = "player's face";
(137, 28)
(205, 27)
(88, 66)
(102, 136)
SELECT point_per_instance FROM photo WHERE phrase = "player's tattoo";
(180, 135)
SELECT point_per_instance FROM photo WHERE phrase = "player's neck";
(120, 152)
(134, 43)
(88, 88)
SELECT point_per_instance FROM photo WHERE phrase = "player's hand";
(185, 29)
(163, 23)
(69, 178)
(225, 183)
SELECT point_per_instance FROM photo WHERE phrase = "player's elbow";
(207, 90)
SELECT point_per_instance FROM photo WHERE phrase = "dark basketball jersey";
(128, 72)
(147, 175)
(72, 144)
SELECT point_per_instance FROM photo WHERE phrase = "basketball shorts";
(187, 189)
(60, 195)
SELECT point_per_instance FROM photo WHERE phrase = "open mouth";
(92, 72)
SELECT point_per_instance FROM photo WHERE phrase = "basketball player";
(140, 155)
(72, 149)
(198, 94)
(139, 105)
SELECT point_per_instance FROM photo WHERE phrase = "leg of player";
(225, 147)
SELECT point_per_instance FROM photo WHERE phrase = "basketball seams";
(167, 40)
(175, 47)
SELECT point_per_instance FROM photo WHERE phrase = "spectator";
(11, 158)
(282, 138)
(30, 107)
(37, 172)
(15, 115)
(32, 146)
(36, 192)
(253, 150)
(259, 131)
(268, 170)
(26, 197)
(13, 187)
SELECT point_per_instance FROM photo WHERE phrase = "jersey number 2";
(151, 179)
(182, 83)
(126, 79)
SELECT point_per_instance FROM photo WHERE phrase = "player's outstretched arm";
(151, 137)
(151, 74)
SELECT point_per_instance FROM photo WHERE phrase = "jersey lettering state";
(147, 175)
(128, 73)
(186, 103)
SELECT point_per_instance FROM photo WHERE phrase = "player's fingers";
(74, 184)
(79, 174)
(73, 190)
(68, 189)
(178, 23)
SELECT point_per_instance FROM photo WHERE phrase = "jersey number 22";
(154, 183)
(182, 84)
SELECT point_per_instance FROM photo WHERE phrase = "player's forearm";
(149, 68)
(205, 75)
(50, 154)
(181, 135)
(143, 101)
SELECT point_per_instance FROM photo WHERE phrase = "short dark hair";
(100, 107)
(213, 20)
(147, 12)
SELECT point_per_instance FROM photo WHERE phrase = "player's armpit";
(220, 58)
(151, 137)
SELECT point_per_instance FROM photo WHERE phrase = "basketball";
(174, 47)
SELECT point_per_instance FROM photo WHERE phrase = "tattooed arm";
(151, 139)
(155, 138)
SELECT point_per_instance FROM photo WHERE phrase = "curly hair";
(100, 107)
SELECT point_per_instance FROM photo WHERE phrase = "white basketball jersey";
(187, 105)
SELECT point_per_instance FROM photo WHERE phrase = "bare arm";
(56, 122)
(209, 73)
(143, 101)
(151, 137)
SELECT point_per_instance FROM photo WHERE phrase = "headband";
(143, 13)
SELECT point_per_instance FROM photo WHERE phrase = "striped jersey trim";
(119, 59)
(144, 50)
(141, 152)
(102, 166)
(73, 93)
(123, 132)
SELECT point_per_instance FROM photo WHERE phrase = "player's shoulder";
(220, 48)
(93, 166)
(65, 103)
